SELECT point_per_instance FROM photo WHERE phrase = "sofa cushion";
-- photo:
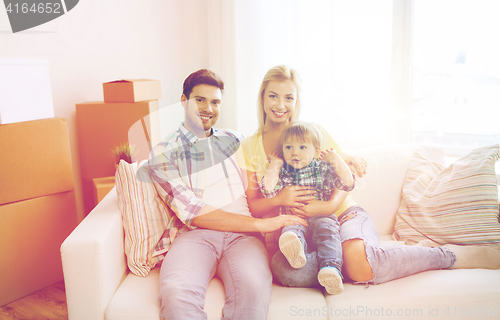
(379, 191)
(137, 298)
(439, 294)
(145, 217)
(458, 204)
(297, 303)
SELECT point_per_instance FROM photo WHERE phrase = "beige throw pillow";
(457, 204)
(144, 215)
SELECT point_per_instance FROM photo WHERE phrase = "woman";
(364, 260)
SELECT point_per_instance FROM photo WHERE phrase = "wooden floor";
(48, 303)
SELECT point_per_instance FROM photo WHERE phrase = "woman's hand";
(356, 164)
(317, 207)
(312, 208)
(295, 196)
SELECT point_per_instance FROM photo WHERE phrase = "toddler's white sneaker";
(293, 249)
(330, 278)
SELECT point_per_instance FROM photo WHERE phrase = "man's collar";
(191, 137)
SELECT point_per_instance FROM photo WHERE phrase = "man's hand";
(295, 196)
(272, 224)
(216, 219)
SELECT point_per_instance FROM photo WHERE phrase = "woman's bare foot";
(471, 257)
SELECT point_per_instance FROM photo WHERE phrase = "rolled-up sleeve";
(337, 182)
(173, 187)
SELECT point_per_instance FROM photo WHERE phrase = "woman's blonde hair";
(279, 73)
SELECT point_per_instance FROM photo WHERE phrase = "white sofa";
(99, 286)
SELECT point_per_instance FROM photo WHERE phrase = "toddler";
(300, 144)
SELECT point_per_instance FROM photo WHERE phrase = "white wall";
(105, 40)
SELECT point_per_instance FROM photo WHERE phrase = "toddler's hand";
(275, 157)
(333, 158)
(329, 155)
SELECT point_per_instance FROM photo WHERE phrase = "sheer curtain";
(342, 49)
(370, 74)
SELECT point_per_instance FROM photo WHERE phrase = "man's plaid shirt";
(318, 174)
(177, 169)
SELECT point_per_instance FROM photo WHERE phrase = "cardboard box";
(103, 126)
(35, 159)
(25, 91)
(31, 234)
(102, 186)
(131, 90)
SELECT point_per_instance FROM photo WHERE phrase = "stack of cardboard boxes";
(37, 197)
(129, 114)
(37, 204)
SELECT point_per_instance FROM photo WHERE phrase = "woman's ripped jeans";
(388, 262)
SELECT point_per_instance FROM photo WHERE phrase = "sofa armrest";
(94, 262)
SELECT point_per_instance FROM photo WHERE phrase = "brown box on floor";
(31, 234)
(102, 186)
(37, 205)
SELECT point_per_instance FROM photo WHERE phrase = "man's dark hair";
(202, 76)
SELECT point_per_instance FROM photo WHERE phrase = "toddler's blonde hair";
(304, 131)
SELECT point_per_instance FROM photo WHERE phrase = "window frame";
(401, 68)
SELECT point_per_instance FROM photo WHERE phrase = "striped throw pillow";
(457, 204)
(144, 217)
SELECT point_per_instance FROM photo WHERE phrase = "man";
(197, 174)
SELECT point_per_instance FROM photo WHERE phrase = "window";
(456, 74)
(347, 72)
(342, 50)
(378, 72)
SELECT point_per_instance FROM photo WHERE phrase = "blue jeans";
(240, 260)
(323, 232)
(388, 262)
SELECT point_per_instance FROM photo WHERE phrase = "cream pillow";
(144, 215)
(458, 204)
